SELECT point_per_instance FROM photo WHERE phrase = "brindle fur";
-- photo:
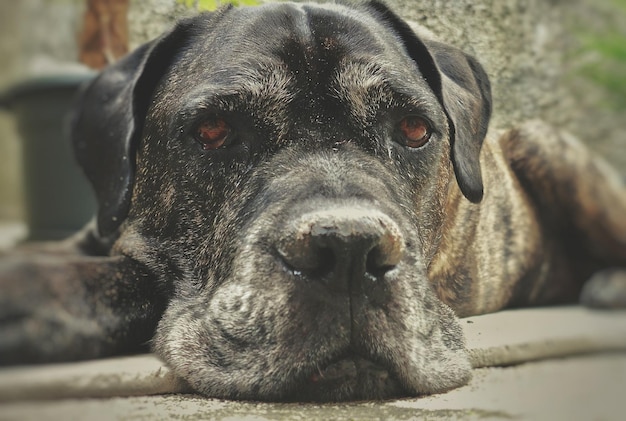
(208, 257)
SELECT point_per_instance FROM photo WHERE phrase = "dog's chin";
(350, 378)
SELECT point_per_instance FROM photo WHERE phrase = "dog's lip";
(348, 377)
(343, 367)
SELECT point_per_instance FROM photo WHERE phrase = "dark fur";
(315, 257)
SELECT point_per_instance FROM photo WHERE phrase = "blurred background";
(560, 60)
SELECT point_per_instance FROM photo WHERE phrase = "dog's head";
(282, 171)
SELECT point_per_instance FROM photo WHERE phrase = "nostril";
(377, 264)
(301, 255)
(386, 253)
(326, 262)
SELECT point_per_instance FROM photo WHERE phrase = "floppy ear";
(108, 119)
(463, 90)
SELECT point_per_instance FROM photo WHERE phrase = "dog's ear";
(108, 118)
(462, 88)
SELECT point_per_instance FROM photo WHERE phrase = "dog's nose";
(342, 247)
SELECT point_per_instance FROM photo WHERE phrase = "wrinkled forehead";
(297, 48)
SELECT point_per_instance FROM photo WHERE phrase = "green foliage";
(203, 5)
(606, 66)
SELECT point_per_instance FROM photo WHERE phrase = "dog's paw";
(29, 335)
(605, 289)
(40, 321)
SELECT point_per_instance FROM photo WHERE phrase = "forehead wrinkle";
(364, 86)
(263, 91)
(267, 84)
(367, 85)
(273, 81)
(271, 89)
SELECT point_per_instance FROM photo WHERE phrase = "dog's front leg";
(61, 308)
(605, 289)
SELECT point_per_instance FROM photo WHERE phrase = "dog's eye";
(415, 131)
(212, 133)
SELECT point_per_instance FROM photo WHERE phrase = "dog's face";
(291, 167)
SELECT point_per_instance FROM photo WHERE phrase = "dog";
(297, 202)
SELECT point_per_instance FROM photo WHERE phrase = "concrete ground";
(591, 387)
(564, 363)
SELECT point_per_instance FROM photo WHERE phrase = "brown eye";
(212, 133)
(416, 131)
